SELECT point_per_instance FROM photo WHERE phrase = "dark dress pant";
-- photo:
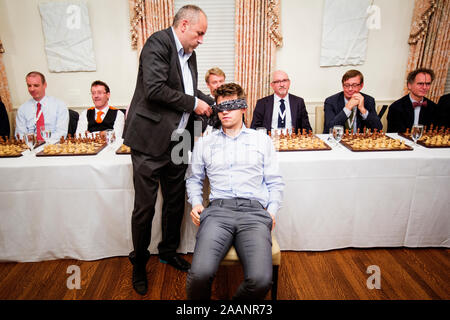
(148, 173)
(244, 224)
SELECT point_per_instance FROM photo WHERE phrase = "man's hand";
(203, 108)
(195, 214)
(360, 98)
(273, 220)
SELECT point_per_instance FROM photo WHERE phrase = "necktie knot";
(99, 117)
(420, 104)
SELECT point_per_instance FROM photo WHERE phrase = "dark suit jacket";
(262, 115)
(4, 122)
(401, 114)
(334, 114)
(443, 111)
(159, 100)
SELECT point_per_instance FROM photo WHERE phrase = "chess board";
(123, 149)
(11, 148)
(373, 142)
(432, 138)
(303, 142)
(74, 147)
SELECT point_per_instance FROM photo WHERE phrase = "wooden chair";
(320, 118)
(232, 259)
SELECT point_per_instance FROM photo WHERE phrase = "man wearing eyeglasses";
(281, 110)
(351, 108)
(413, 108)
(101, 117)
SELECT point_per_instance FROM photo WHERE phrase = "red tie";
(420, 104)
(40, 122)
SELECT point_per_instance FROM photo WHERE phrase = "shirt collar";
(179, 46)
(244, 129)
(42, 102)
(412, 100)
(277, 98)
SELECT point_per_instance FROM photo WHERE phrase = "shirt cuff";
(196, 201)
(364, 116)
(196, 103)
(273, 208)
(347, 112)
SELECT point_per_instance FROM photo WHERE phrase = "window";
(218, 47)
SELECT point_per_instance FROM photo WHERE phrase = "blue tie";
(281, 121)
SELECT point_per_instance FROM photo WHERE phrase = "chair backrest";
(319, 121)
(73, 122)
(382, 114)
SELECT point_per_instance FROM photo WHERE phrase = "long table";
(80, 207)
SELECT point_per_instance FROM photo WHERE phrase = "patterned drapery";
(429, 42)
(4, 88)
(147, 17)
(257, 36)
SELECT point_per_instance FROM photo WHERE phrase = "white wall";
(384, 69)
(23, 39)
(387, 51)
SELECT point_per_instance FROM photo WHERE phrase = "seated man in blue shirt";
(246, 193)
(41, 111)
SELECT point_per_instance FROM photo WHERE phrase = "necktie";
(40, 123)
(350, 123)
(420, 104)
(282, 115)
(99, 117)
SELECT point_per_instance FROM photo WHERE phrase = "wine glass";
(46, 134)
(30, 140)
(416, 132)
(338, 132)
(110, 136)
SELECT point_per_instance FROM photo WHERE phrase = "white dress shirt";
(276, 112)
(187, 78)
(416, 110)
(56, 117)
(118, 123)
(244, 166)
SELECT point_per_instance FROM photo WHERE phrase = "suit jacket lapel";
(269, 114)
(175, 55)
(409, 110)
(293, 107)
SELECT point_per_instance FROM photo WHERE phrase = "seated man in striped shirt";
(246, 193)
(101, 117)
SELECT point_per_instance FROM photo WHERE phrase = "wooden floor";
(338, 274)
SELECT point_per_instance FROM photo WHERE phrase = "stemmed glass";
(338, 132)
(416, 132)
(46, 134)
(30, 140)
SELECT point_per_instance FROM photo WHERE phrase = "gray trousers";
(246, 225)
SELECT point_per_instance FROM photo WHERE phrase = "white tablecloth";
(80, 207)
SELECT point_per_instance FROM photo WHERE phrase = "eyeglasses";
(277, 82)
(423, 84)
(353, 86)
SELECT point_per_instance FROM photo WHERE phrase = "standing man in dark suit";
(341, 108)
(280, 110)
(413, 108)
(162, 109)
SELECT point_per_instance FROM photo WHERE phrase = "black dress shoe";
(177, 262)
(140, 284)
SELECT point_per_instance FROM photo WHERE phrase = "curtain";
(429, 42)
(147, 17)
(4, 88)
(257, 37)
